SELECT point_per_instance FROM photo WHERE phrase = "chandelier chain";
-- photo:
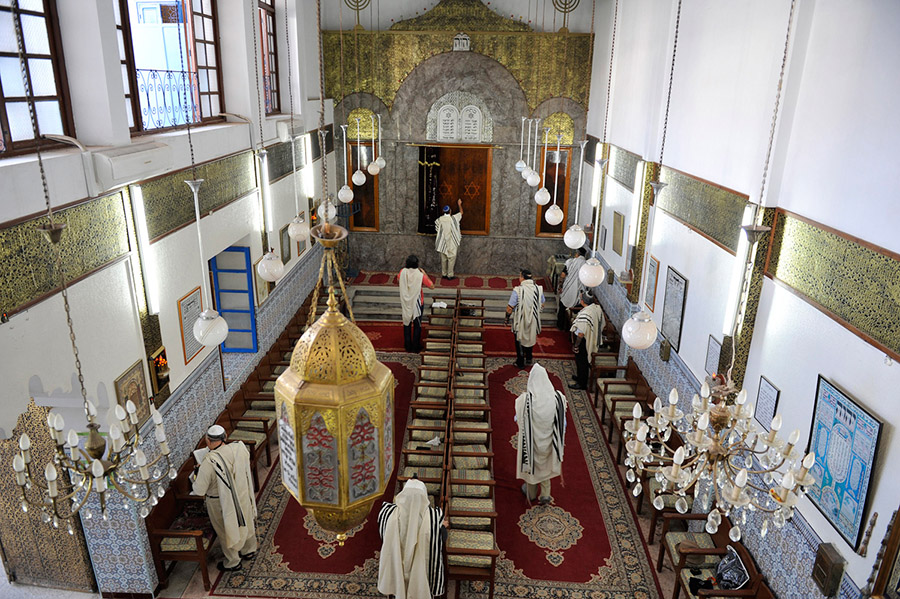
(256, 58)
(287, 35)
(322, 132)
(787, 45)
(65, 297)
(612, 54)
(190, 118)
(662, 145)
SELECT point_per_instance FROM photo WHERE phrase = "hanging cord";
(189, 116)
(341, 37)
(253, 23)
(322, 102)
(662, 145)
(787, 42)
(64, 292)
(612, 54)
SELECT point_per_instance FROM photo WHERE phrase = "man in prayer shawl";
(224, 478)
(525, 304)
(447, 240)
(541, 416)
(413, 533)
(412, 298)
(588, 330)
(571, 288)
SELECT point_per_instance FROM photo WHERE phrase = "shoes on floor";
(450, 278)
(519, 365)
(545, 500)
(577, 386)
(248, 556)
(222, 568)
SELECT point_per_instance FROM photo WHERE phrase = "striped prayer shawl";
(436, 577)
(448, 234)
(572, 285)
(527, 434)
(590, 321)
(559, 427)
(224, 476)
(526, 318)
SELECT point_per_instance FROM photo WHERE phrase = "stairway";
(375, 302)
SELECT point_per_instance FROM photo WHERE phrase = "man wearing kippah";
(224, 478)
(524, 306)
(447, 240)
(588, 330)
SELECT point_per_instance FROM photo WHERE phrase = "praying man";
(525, 304)
(588, 330)
(447, 240)
(541, 416)
(571, 288)
(411, 563)
(224, 478)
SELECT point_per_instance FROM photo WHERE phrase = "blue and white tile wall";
(784, 556)
(119, 548)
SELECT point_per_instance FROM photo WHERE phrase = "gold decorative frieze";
(562, 124)
(460, 15)
(714, 211)
(651, 171)
(95, 236)
(546, 65)
(281, 161)
(366, 130)
(623, 166)
(856, 283)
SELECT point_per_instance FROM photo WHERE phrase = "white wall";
(793, 343)
(618, 199)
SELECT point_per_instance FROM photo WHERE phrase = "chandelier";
(75, 472)
(723, 456)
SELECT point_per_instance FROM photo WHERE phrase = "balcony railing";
(162, 95)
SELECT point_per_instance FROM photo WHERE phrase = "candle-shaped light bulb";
(51, 475)
(24, 442)
(156, 416)
(141, 460)
(704, 390)
(19, 467)
(91, 409)
(642, 433)
(787, 481)
(809, 461)
(72, 442)
(161, 439)
(115, 433)
(636, 412)
(59, 426)
(673, 401)
(677, 461)
(748, 410)
(657, 405)
(97, 469)
(702, 425)
(740, 481)
(132, 411)
(776, 423)
(99, 479)
(741, 398)
(795, 436)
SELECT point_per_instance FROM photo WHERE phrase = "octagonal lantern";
(335, 407)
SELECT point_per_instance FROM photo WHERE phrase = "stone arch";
(568, 106)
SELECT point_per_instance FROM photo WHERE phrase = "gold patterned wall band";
(857, 283)
(623, 166)
(280, 160)
(95, 236)
(714, 211)
(460, 15)
(562, 124)
(366, 131)
(650, 173)
(546, 65)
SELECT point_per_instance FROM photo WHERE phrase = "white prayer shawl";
(590, 321)
(541, 416)
(411, 564)
(526, 317)
(572, 286)
(410, 294)
(448, 235)
(229, 467)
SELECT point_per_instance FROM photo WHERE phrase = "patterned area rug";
(585, 544)
(465, 281)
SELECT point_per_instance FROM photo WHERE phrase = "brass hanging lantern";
(335, 412)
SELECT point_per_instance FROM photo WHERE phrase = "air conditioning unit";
(126, 164)
(286, 132)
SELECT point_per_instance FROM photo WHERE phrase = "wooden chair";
(703, 540)
(754, 588)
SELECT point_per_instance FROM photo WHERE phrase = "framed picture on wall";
(260, 285)
(285, 240)
(618, 232)
(189, 308)
(766, 403)
(652, 278)
(673, 307)
(844, 438)
(603, 237)
(132, 385)
(713, 351)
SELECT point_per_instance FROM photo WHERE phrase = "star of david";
(445, 190)
(472, 190)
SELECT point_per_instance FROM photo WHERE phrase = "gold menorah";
(565, 7)
(361, 5)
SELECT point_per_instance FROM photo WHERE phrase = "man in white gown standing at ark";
(447, 240)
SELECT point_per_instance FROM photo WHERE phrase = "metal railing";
(162, 96)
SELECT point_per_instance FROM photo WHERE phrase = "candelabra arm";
(340, 278)
(74, 510)
(135, 498)
(715, 484)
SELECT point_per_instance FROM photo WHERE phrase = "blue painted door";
(233, 285)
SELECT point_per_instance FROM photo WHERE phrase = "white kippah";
(215, 431)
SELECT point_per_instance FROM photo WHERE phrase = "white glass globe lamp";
(373, 168)
(542, 196)
(639, 331)
(554, 215)
(380, 162)
(298, 230)
(210, 329)
(574, 237)
(358, 178)
(326, 211)
(526, 171)
(534, 179)
(591, 273)
(345, 194)
(520, 165)
(270, 268)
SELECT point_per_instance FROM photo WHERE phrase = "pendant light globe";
(358, 178)
(210, 329)
(345, 194)
(298, 230)
(542, 196)
(591, 273)
(520, 165)
(373, 168)
(326, 211)
(639, 331)
(574, 237)
(534, 179)
(381, 162)
(271, 268)
(554, 215)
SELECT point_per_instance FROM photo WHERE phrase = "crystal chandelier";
(724, 456)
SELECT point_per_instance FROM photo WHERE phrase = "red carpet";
(385, 336)
(465, 281)
(551, 343)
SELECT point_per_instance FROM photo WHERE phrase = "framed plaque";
(766, 402)
(189, 308)
(713, 351)
(132, 385)
(652, 278)
(673, 307)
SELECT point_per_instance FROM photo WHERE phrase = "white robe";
(541, 416)
(448, 234)
(410, 294)
(225, 472)
(411, 563)
(590, 321)
(526, 316)
(572, 285)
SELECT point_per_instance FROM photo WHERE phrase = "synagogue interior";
(295, 295)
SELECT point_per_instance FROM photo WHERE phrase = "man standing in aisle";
(525, 304)
(224, 478)
(541, 416)
(447, 240)
(411, 563)
(588, 330)
(570, 288)
(412, 298)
